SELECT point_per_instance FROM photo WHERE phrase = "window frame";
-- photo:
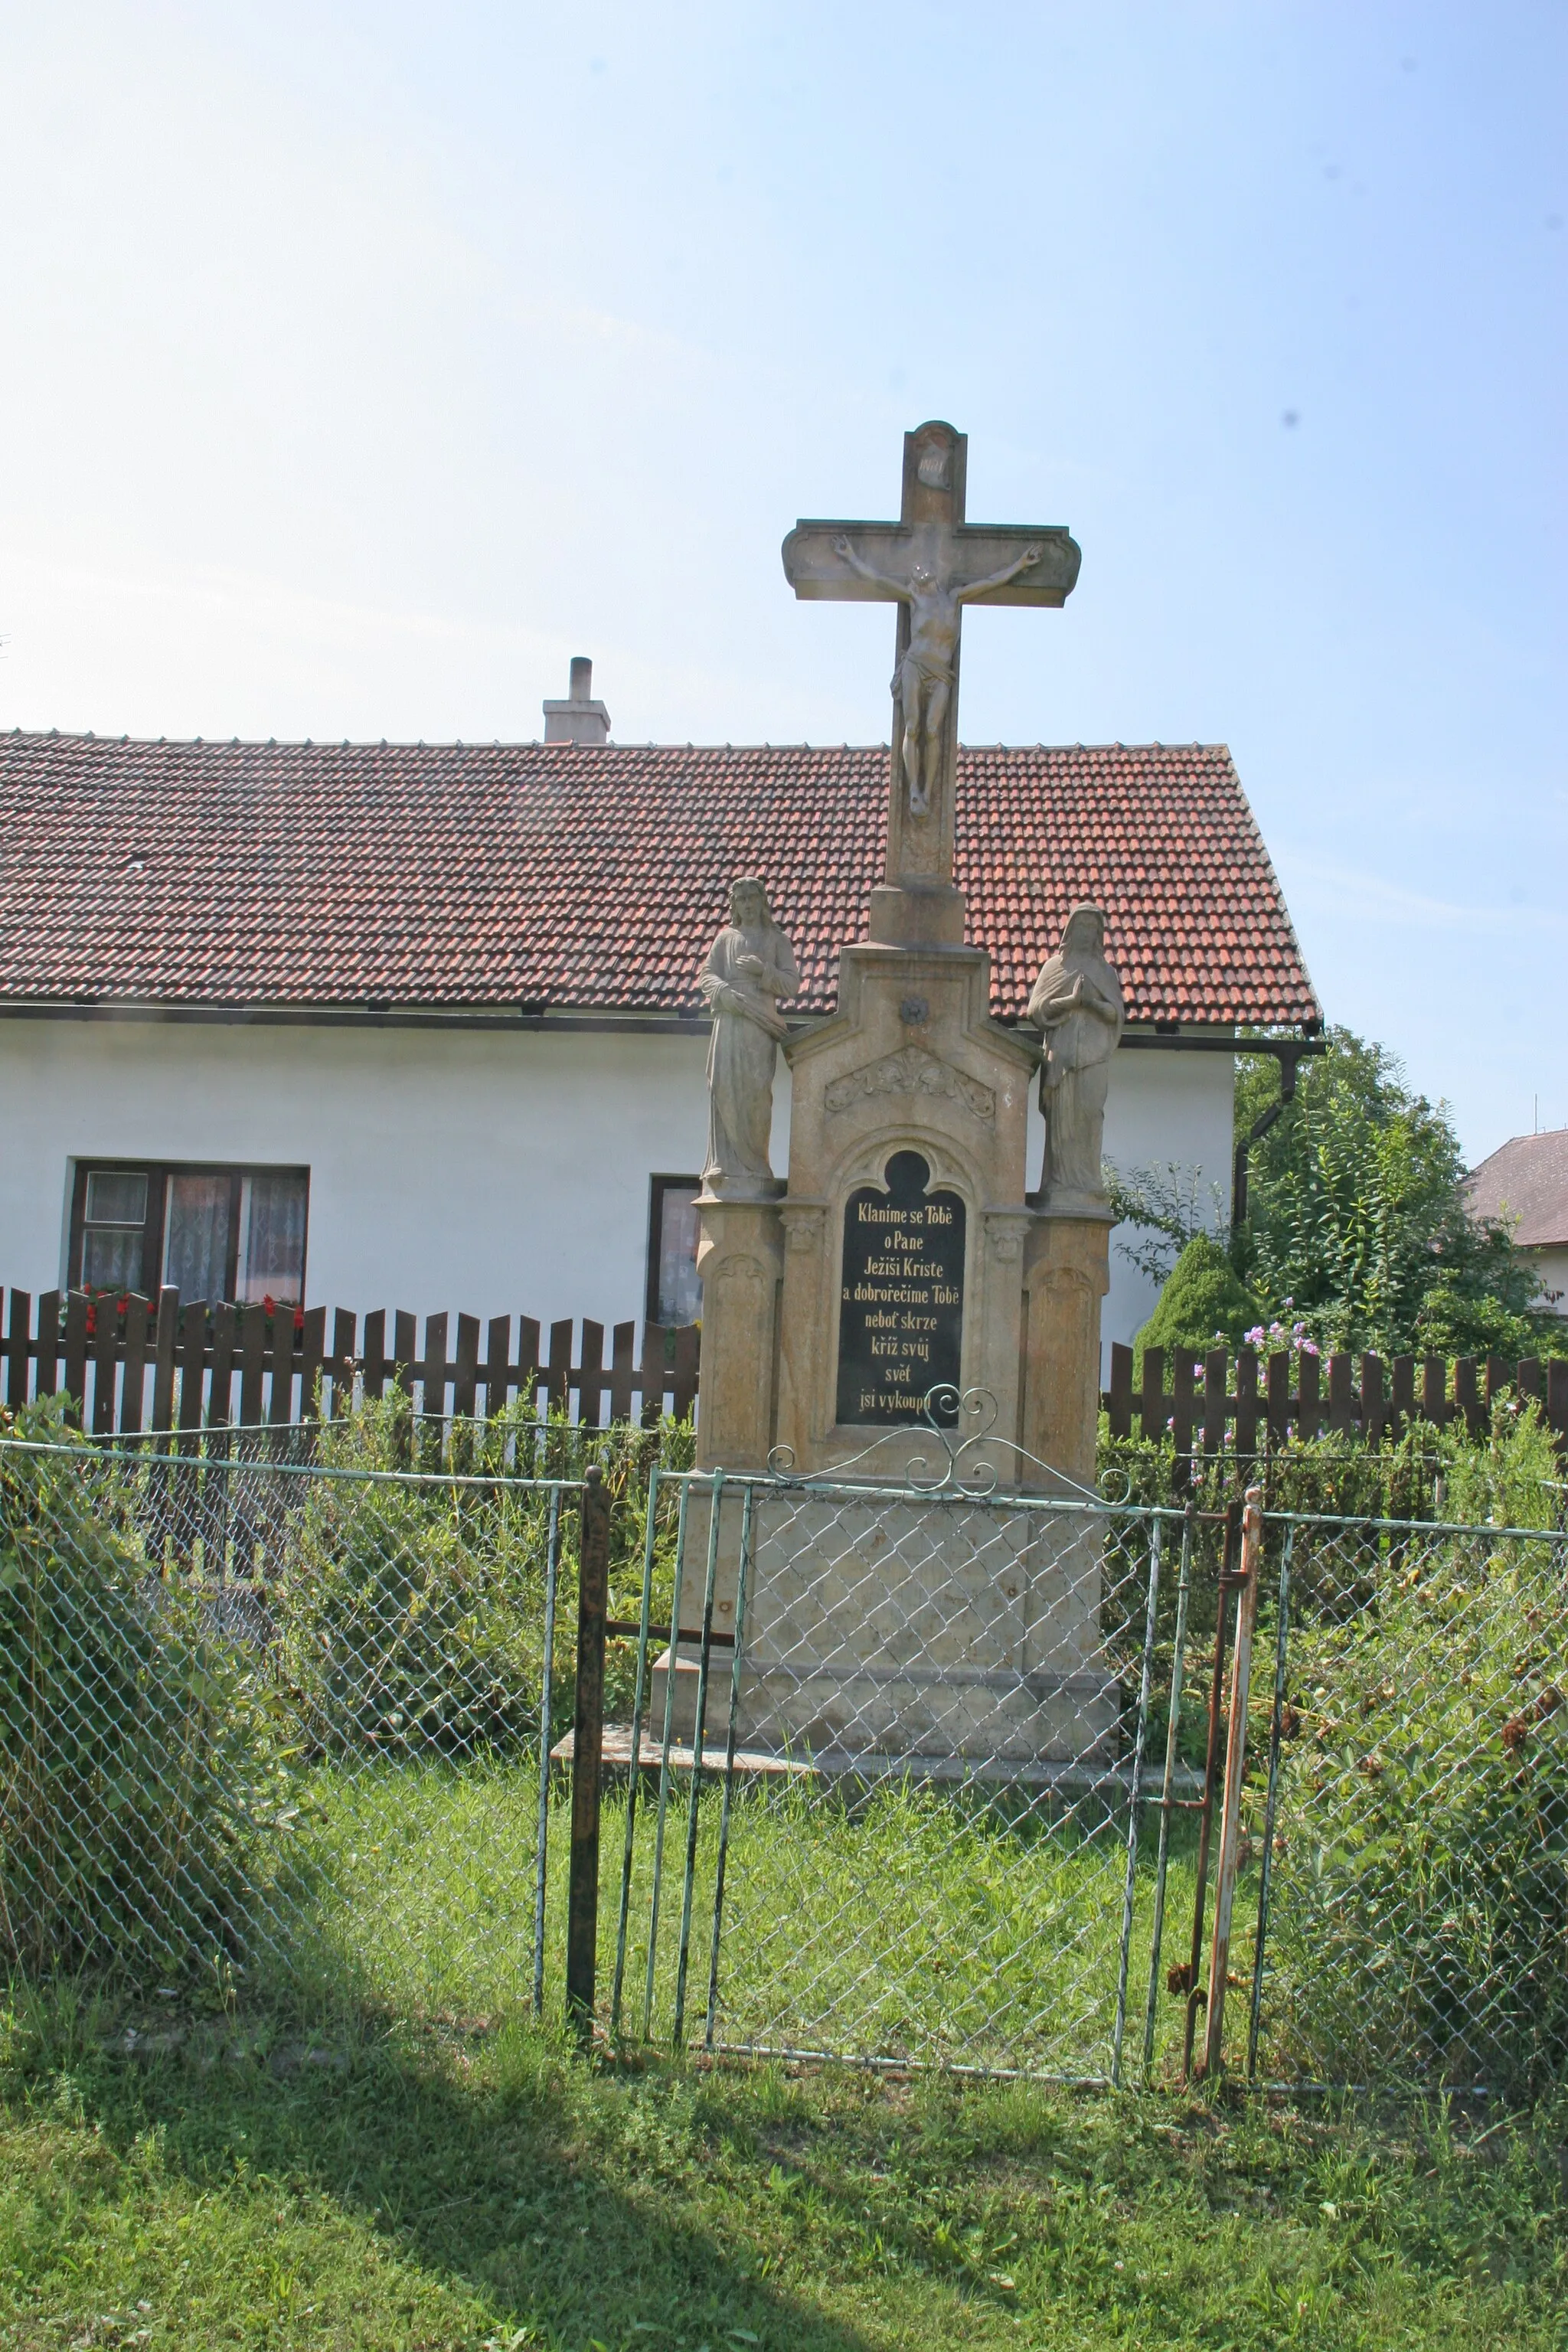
(155, 1229)
(657, 1186)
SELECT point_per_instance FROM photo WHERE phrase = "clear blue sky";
(362, 362)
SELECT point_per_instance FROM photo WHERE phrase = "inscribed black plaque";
(900, 1319)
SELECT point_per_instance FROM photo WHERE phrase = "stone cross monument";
(931, 563)
(904, 1251)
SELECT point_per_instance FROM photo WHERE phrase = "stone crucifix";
(931, 563)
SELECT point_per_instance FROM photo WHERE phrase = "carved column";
(740, 1257)
(1067, 1272)
(806, 1315)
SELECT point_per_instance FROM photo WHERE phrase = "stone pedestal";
(1067, 1272)
(881, 1631)
(927, 914)
(740, 1257)
(911, 1064)
(878, 1643)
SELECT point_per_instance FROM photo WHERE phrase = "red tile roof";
(555, 876)
(1525, 1183)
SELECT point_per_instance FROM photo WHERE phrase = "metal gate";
(936, 1777)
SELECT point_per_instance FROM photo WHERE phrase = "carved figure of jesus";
(924, 679)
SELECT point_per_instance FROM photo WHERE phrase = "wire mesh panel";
(279, 1721)
(902, 1777)
(930, 1718)
(1409, 1799)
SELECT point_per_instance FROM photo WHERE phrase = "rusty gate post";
(587, 1744)
(1234, 1763)
(1188, 1978)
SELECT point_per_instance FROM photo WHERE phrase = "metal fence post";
(1134, 1791)
(1191, 1975)
(547, 1681)
(1276, 1731)
(1235, 1762)
(583, 1898)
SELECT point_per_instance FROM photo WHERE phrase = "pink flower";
(1309, 1347)
(1258, 1335)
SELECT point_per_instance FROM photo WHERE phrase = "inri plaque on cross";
(931, 563)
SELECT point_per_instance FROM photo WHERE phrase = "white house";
(416, 1025)
(1524, 1184)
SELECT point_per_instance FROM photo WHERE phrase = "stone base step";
(616, 1754)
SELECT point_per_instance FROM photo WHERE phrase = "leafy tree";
(1159, 1211)
(1356, 1219)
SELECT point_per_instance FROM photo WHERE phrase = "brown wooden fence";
(150, 1365)
(1359, 1396)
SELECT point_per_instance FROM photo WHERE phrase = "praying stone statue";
(1077, 1005)
(924, 682)
(748, 967)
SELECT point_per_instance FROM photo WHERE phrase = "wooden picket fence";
(243, 1367)
(154, 1365)
(1354, 1396)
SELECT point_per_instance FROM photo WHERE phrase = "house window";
(115, 1225)
(674, 1292)
(212, 1232)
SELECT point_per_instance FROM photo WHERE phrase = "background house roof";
(1525, 1184)
(545, 875)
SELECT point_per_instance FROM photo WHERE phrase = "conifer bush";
(1203, 1304)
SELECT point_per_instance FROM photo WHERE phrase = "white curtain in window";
(116, 1196)
(111, 1235)
(112, 1258)
(272, 1223)
(195, 1254)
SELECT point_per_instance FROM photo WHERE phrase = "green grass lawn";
(905, 1926)
(266, 2182)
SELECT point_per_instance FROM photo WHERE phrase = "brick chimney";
(578, 720)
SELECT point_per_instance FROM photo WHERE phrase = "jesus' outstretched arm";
(999, 579)
(897, 588)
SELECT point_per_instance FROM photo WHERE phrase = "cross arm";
(957, 554)
(979, 551)
(814, 567)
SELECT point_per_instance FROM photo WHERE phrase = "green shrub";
(140, 1754)
(1202, 1304)
(1421, 1908)
(411, 1618)
(1421, 1911)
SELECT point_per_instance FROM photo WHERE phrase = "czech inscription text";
(901, 1316)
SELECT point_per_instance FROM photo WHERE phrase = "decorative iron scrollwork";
(970, 1421)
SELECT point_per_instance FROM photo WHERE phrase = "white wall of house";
(1163, 1109)
(1552, 1265)
(452, 1170)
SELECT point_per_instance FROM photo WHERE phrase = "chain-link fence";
(930, 1715)
(280, 1722)
(969, 1756)
(1408, 1805)
(899, 1777)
